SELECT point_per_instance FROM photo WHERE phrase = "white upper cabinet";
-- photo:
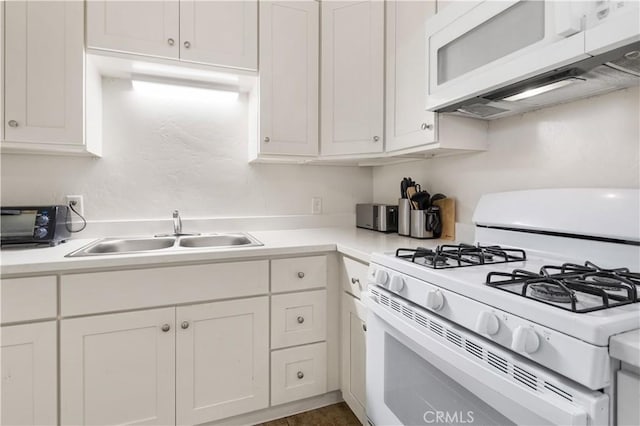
(289, 49)
(219, 33)
(352, 77)
(222, 33)
(143, 27)
(44, 77)
(408, 123)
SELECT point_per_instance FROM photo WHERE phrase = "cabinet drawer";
(355, 280)
(298, 273)
(25, 299)
(298, 318)
(120, 290)
(298, 373)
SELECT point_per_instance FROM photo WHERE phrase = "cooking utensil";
(411, 191)
(421, 199)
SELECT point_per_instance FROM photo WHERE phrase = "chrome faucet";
(177, 227)
(177, 223)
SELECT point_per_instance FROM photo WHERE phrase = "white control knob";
(435, 300)
(487, 323)
(381, 278)
(397, 284)
(525, 340)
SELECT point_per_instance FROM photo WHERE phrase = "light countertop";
(353, 242)
(626, 347)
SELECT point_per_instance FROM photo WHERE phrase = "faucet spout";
(177, 223)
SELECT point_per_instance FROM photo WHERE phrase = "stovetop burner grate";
(457, 256)
(563, 285)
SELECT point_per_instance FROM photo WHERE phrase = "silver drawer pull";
(355, 281)
(184, 325)
(267, 139)
(166, 327)
(376, 138)
(364, 327)
(425, 126)
(301, 275)
(187, 44)
(13, 123)
(300, 319)
(171, 42)
(300, 374)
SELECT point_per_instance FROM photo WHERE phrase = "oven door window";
(418, 393)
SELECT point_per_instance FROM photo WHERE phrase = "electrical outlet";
(316, 205)
(77, 203)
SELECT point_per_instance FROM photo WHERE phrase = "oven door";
(477, 47)
(432, 372)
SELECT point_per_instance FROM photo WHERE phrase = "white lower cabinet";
(29, 374)
(222, 359)
(185, 365)
(299, 372)
(118, 368)
(354, 315)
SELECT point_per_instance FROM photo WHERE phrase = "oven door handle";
(486, 384)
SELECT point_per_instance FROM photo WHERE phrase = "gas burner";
(605, 283)
(550, 292)
(461, 255)
(435, 260)
(572, 283)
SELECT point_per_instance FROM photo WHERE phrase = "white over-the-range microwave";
(490, 59)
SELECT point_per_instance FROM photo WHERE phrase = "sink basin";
(123, 245)
(172, 243)
(220, 240)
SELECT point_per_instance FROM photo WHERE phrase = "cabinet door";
(219, 32)
(142, 27)
(29, 374)
(44, 72)
(408, 123)
(118, 368)
(222, 359)
(354, 354)
(352, 77)
(289, 50)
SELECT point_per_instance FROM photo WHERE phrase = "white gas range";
(512, 329)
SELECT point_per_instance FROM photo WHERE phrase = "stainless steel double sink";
(165, 243)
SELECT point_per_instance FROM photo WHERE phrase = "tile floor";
(332, 415)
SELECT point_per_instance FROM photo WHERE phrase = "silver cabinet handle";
(13, 123)
(425, 126)
(187, 44)
(171, 41)
(166, 327)
(301, 275)
(300, 319)
(364, 327)
(184, 325)
(355, 281)
(376, 138)
(267, 139)
(300, 374)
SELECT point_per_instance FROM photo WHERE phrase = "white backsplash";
(589, 143)
(161, 155)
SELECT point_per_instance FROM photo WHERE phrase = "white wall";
(162, 154)
(589, 143)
